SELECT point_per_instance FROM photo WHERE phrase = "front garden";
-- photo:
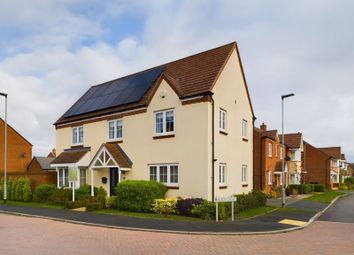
(144, 199)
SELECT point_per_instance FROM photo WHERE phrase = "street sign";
(218, 200)
(225, 199)
(72, 174)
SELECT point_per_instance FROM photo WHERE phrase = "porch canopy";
(70, 158)
(109, 155)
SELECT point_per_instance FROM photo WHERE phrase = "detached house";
(321, 165)
(187, 124)
(294, 142)
(268, 159)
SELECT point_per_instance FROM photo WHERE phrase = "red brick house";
(267, 159)
(321, 165)
(19, 159)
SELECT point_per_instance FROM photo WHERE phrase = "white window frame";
(244, 174)
(115, 127)
(61, 181)
(82, 170)
(281, 152)
(276, 150)
(76, 131)
(168, 183)
(270, 178)
(244, 128)
(222, 120)
(222, 174)
(270, 149)
(164, 123)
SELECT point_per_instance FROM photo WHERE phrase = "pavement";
(296, 214)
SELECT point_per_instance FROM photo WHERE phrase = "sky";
(51, 52)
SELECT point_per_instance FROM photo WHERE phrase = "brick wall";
(257, 161)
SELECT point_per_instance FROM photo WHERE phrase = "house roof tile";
(293, 140)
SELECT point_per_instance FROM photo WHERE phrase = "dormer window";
(78, 135)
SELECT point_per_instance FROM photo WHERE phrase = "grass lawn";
(147, 215)
(255, 212)
(324, 197)
(32, 204)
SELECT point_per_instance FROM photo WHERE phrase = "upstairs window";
(244, 128)
(115, 129)
(78, 135)
(270, 150)
(222, 120)
(281, 152)
(222, 174)
(165, 122)
(276, 150)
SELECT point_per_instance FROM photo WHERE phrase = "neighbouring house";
(19, 151)
(343, 168)
(268, 159)
(350, 169)
(317, 166)
(294, 143)
(335, 153)
(187, 123)
(40, 172)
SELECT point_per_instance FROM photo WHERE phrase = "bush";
(319, 188)
(73, 204)
(92, 206)
(101, 197)
(184, 206)
(138, 196)
(111, 202)
(165, 206)
(43, 193)
(61, 196)
(251, 200)
(27, 192)
(204, 210)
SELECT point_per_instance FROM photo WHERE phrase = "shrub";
(165, 206)
(307, 188)
(204, 210)
(43, 193)
(27, 192)
(251, 200)
(111, 202)
(319, 188)
(92, 206)
(73, 204)
(138, 196)
(61, 196)
(184, 206)
(101, 197)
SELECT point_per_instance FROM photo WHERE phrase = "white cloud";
(302, 47)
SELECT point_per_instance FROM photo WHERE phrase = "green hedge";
(43, 193)
(18, 189)
(138, 196)
(206, 210)
(319, 188)
(301, 188)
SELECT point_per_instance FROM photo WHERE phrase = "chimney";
(52, 154)
(263, 127)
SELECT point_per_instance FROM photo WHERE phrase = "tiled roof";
(119, 155)
(193, 75)
(45, 162)
(70, 156)
(272, 134)
(334, 152)
(292, 140)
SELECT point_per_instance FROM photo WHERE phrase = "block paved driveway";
(24, 235)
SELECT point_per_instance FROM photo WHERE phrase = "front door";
(113, 180)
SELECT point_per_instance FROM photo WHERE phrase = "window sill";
(244, 185)
(223, 132)
(244, 139)
(115, 141)
(77, 145)
(172, 187)
(163, 136)
(223, 187)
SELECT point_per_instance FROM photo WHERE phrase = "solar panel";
(125, 90)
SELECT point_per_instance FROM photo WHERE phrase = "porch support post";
(92, 188)
(57, 170)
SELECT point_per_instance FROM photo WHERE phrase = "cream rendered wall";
(189, 147)
(231, 95)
